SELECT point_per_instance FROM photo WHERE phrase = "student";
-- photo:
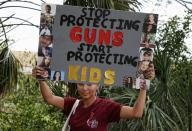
(57, 77)
(45, 45)
(143, 65)
(146, 48)
(45, 62)
(151, 20)
(47, 15)
(93, 113)
(146, 69)
(45, 40)
(146, 56)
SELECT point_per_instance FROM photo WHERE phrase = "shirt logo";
(92, 123)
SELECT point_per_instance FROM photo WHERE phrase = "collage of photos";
(146, 51)
(145, 64)
(46, 44)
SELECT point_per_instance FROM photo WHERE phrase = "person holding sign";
(92, 113)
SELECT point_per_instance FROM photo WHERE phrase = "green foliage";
(107, 4)
(24, 109)
(172, 36)
(9, 70)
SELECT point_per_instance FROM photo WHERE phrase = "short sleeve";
(113, 111)
(68, 104)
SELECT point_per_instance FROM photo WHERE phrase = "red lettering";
(75, 34)
(104, 36)
(90, 39)
(117, 39)
(89, 36)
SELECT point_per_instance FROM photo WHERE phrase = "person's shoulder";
(70, 98)
(104, 100)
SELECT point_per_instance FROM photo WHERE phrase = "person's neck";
(88, 102)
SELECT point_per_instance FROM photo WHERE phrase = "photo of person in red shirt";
(92, 113)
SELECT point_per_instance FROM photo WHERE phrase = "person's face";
(45, 74)
(87, 91)
(146, 57)
(45, 41)
(57, 75)
(144, 65)
(47, 61)
(47, 9)
(142, 83)
(151, 18)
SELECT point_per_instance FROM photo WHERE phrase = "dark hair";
(147, 53)
(48, 6)
(155, 18)
(54, 76)
(42, 64)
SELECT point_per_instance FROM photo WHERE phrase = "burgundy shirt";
(93, 118)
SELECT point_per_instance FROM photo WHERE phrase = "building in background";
(27, 59)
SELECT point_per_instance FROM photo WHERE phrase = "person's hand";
(143, 84)
(37, 71)
(150, 72)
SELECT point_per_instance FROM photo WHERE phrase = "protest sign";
(92, 45)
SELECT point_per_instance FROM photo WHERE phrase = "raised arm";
(47, 93)
(137, 110)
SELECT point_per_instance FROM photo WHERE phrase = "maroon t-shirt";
(94, 118)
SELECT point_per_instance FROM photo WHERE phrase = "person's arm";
(49, 97)
(46, 91)
(137, 110)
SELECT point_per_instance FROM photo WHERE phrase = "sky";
(26, 37)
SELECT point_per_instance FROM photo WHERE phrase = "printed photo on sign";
(44, 62)
(57, 76)
(142, 83)
(45, 39)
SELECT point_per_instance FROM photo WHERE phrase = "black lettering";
(134, 61)
(120, 27)
(101, 49)
(106, 13)
(96, 56)
(88, 57)
(88, 20)
(112, 22)
(101, 58)
(91, 12)
(127, 59)
(135, 25)
(80, 21)
(115, 58)
(95, 22)
(78, 56)
(121, 59)
(88, 47)
(108, 49)
(94, 49)
(80, 48)
(70, 55)
(63, 19)
(128, 24)
(71, 20)
(84, 12)
(98, 13)
(103, 23)
(107, 59)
